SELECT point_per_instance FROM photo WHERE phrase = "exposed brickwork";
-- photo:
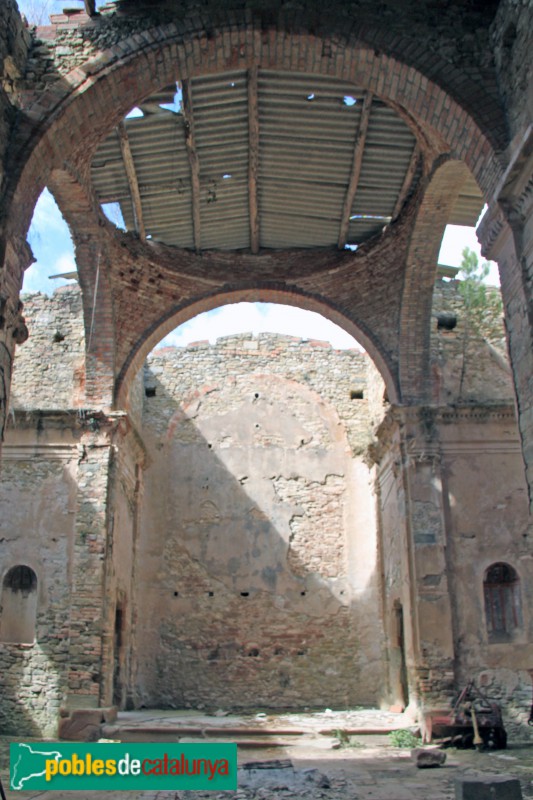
(510, 36)
(71, 40)
(439, 197)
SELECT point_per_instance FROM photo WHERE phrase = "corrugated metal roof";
(308, 130)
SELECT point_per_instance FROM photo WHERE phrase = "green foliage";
(479, 303)
(481, 307)
(403, 738)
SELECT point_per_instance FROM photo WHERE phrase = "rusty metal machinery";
(474, 720)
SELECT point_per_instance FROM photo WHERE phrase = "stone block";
(83, 725)
(487, 787)
(110, 714)
(425, 758)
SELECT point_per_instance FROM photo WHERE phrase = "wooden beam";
(131, 174)
(90, 7)
(407, 181)
(253, 158)
(359, 149)
(188, 119)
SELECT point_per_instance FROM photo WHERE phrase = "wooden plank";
(188, 118)
(407, 181)
(359, 150)
(131, 174)
(253, 158)
(90, 7)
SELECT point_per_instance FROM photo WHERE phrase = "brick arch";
(265, 294)
(76, 113)
(440, 195)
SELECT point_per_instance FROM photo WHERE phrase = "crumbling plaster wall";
(69, 487)
(257, 555)
(37, 521)
(486, 510)
(453, 501)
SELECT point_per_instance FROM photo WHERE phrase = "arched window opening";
(19, 605)
(503, 611)
(51, 242)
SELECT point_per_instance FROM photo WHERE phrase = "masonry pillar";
(88, 604)
(421, 583)
(506, 234)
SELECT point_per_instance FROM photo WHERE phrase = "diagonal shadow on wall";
(256, 564)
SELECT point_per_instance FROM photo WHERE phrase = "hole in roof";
(135, 112)
(380, 217)
(351, 246)
(311, 96)
(232, 84)
(227, 176)
(176, 105)
(349, 100)
(113, 212)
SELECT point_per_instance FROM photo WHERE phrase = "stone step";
(245, 737)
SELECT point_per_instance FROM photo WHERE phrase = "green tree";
(482, 304)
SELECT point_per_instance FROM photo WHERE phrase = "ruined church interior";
(266, 523)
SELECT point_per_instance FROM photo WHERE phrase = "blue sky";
(38, 11)
(52, 246)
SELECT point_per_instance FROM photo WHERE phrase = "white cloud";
(256, 318)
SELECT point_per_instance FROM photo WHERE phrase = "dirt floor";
(322, 767)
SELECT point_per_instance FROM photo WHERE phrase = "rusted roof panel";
(308, 133)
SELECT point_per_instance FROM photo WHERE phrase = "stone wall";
(258, 552)
(50, 366)
(468, 365)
